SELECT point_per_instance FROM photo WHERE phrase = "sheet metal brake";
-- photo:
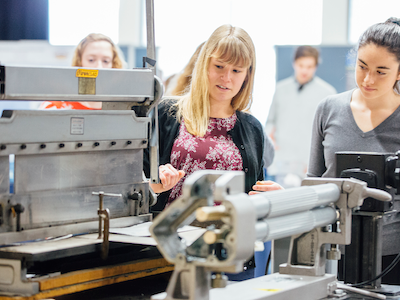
(68, 176)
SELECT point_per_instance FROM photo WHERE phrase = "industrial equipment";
(376, 223)
(68, 176)
(303, 213)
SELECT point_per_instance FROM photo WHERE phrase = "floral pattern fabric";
(215, 151)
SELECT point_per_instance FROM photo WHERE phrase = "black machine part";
(378, 170)
(369, 257)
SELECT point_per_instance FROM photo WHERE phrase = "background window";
(181, 25)
(71, 20)
(364, 13)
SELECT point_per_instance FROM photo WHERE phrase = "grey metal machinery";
(302, 213)
(77, 173)
(376, 223)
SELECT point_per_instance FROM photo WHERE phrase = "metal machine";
(74, 175)
(302, 213)
(376, 223)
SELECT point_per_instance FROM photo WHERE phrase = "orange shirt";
(63, 105)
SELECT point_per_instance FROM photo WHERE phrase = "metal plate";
(35, 126)
(49, 83)
(45, 172)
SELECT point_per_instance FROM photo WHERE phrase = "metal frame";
(65, 159)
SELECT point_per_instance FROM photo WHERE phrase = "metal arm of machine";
(218, 195)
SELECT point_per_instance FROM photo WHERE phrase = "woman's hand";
(265, 186)
(169, 177)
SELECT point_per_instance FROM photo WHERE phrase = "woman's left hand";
(265, 186)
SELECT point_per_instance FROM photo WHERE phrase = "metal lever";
(16, 211)
(104, 221)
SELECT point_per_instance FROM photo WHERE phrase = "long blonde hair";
(231, 45)
(117, 61)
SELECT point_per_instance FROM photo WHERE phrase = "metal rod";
(101, 195)
(151, 47)
(151, 53)
(279, 203)
(360, 291)
(284, 226)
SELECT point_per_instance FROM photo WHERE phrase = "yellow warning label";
(270, 290)
(87, 73)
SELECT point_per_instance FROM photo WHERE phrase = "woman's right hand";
(169, 177)
(265, 186)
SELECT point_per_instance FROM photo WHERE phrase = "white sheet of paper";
(143, 229)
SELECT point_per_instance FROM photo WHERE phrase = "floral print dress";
(215, 151)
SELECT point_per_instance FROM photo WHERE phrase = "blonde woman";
(209, 128)
(95, 51)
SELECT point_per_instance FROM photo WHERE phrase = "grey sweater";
(335, 129)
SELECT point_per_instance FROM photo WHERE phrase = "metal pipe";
(284, 202)
(151, 53)
(101, 197)
(279, 227)
(151, 46)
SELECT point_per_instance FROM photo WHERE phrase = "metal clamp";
(104, 221)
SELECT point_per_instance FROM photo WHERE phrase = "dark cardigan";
(247, 134)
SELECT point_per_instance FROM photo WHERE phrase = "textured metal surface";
(280, 227)
(87, 86)
(4, 175)
(35, 173)
(295, 200)
(27, 83)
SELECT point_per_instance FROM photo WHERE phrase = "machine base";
(276, 286)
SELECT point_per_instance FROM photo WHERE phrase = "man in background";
(291, 115)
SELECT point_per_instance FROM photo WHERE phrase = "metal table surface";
(144, 288)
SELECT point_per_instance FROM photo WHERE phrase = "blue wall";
(24, 20)
(336, 66)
